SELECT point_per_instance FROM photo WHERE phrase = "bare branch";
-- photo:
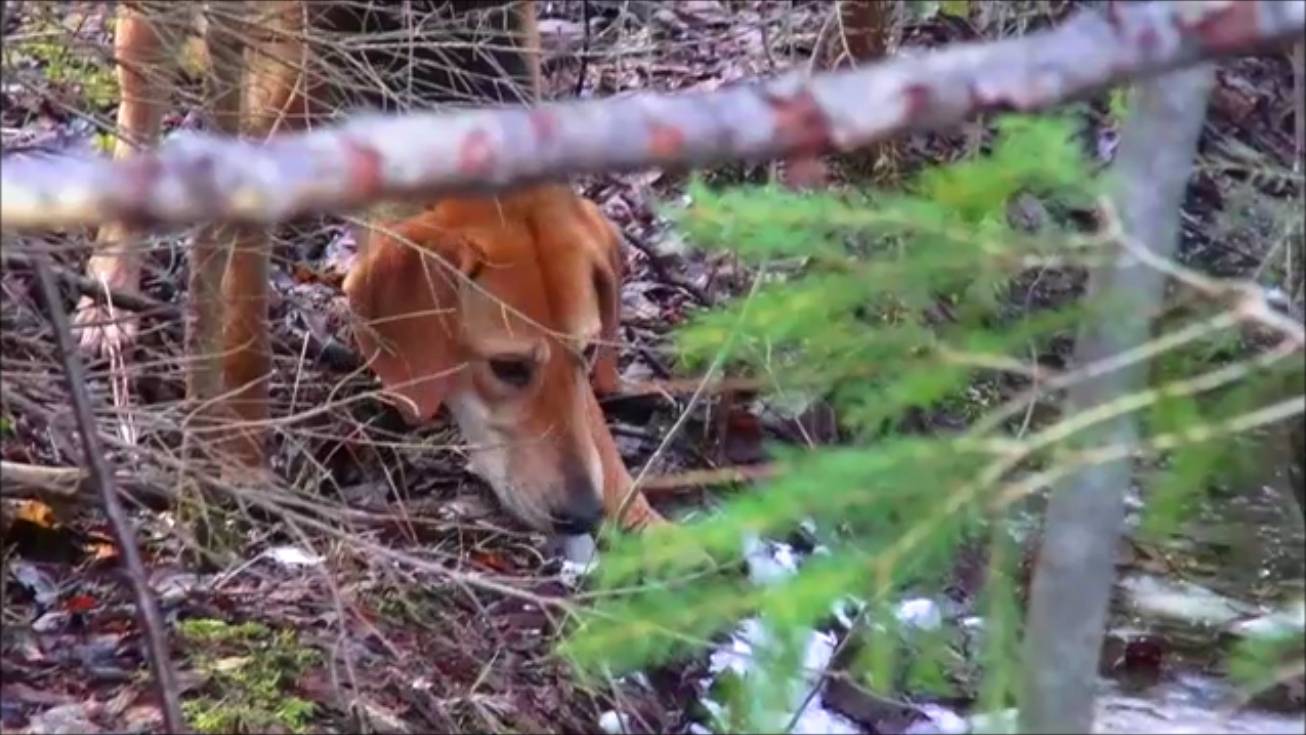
(59, 482)
(202, 177)
(331, 354)
(152, 625)
(70, 484)
(1075, 569)
(87, 286)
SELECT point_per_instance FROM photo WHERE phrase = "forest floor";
(296, 623)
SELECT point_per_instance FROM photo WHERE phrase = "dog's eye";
(513, 371)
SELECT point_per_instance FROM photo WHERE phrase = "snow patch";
(770, 562)
(920, 613)
(579, 557)
(614, 723)
(293, 556)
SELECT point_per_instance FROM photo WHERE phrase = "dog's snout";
(583, 508)
(582, 514)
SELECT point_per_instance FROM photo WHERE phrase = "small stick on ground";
(151, 622)
(692, 479)
(678, 386)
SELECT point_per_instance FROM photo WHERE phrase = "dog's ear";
(404, 292)
(607, 282)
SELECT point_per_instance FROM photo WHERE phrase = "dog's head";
(505, 310)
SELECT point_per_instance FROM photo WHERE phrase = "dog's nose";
(581, 516)
(582, 509)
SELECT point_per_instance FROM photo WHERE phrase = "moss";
(96, 82)
(194, 57)
(1118, 102)
(104, 142)
(251, 670)
(66, 63)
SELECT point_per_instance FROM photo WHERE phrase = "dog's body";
(498, 330)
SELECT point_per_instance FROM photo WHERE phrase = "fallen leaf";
(230, 663)
(101, 551)
(65, 719)
(492, 560)
(80, 603)
(381, 719)
(18, 691)
(304, 274)
(36, 513)
(30, 576)
(142, 718)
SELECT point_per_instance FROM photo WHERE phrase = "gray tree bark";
(1073, 577)
(204, 177)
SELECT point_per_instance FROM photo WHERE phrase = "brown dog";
(489, 305)
(506, 327)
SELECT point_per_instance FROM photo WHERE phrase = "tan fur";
(535, 273)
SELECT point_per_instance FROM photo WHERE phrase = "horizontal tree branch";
(202, 177)
(70, 484)
(60, 482)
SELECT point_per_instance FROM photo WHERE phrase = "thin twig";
(584, 47)
(1250, 301)
(674, 386)
(1134, 401)
(1151, 349)
(151, 622)
(1153, 446)
(659, 269)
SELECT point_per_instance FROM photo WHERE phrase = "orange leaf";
(304, 274)
(102, 551)
(36, 513)
(491, 560)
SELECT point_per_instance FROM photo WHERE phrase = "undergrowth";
(889, 304)
(66, 65)
(251, 671)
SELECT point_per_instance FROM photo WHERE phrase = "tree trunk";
(1074, 573)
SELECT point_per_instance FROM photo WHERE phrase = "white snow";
(292, 556)
(770, 562)
(920, 613)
